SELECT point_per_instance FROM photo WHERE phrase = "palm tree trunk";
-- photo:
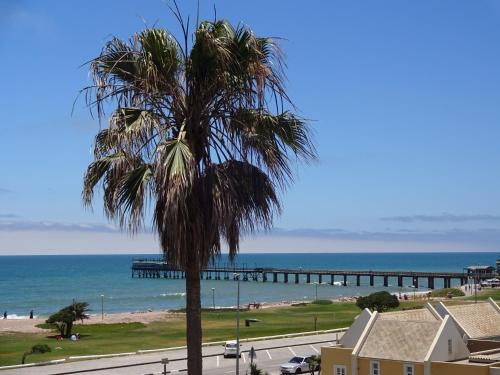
(193, 318)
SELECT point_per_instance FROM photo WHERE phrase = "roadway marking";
(291, 351)
(313, 348)
(269, 354)
(217, 361)
(243, 356)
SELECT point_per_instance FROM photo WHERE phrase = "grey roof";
(413, 314)
(400, 340)
(477, 319)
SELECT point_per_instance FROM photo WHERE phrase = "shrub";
(322, 302)
(446, 292)
(38, 348)
(379, 301)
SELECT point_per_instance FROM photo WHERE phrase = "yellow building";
(412, 342)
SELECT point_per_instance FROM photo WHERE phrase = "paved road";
(270, 354)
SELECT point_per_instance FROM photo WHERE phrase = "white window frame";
(405, 368)
(339, 370)
(372, 368)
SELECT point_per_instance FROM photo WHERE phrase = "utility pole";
(237, 275)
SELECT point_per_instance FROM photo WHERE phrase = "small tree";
(379, 301)
(315, 364)
(38, 348)
(65, 317)
(254, 370)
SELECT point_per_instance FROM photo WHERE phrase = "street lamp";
(102, 306)
(316, 285)
(237, 277)
(213, 298)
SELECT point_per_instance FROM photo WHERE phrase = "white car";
(230, 349)
(296, 365)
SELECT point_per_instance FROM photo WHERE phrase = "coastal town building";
(476, 321)
(476, 271)
(425, 341)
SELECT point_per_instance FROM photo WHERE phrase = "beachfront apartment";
(428, 341)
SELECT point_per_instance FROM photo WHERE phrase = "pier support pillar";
(358, 280)
(275, 277)
(400, 281)
(345, 280)
(447, 282)
(430, 282)
(332, 279)
(320, 278)
(463, 281)
(264, 277)
(386, 281)
(415, 281)
(296, 278)
(372, 280)
(285, 277)
(308, 278)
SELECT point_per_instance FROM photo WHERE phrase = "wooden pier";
(144, 268)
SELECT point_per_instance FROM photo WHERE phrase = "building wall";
(480, 345)
(440, 350)
(351, 337)
(448, 368)
(335, 356)
(387, 367)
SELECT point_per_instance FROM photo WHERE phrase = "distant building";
(480, 270)
(418, 342)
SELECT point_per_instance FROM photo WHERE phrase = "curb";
(97, 356)
(53, 362)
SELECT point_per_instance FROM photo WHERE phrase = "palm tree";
(201, 134)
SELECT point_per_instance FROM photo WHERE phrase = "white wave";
(18, 317)
(178, 294)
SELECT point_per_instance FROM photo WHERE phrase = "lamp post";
(102, 306)
(475, 287)
(237, 277)
(316, 285)
(213, 298)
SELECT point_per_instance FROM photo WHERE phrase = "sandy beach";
(146, 317)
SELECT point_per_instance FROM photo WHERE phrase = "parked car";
(296, 365)
(230, 349)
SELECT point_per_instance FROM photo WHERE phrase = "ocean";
(46, 283)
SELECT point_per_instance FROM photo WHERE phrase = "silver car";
(296, 365)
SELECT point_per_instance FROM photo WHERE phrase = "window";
(450, 347)
(375, 368)
(339, 370)
(408, 369)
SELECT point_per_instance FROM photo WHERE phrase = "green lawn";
(217, 326)
(484, 294)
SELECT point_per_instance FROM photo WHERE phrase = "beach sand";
(29, 325)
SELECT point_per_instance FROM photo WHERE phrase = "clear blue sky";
(404, 97)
